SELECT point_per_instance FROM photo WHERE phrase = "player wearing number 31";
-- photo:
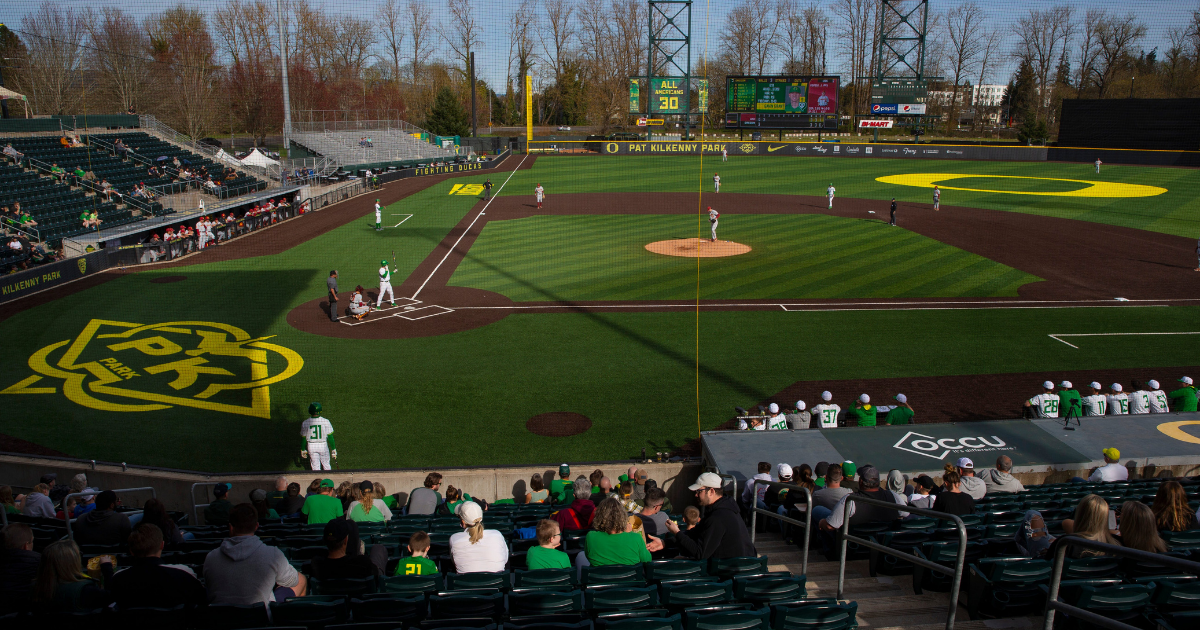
(318, 436)
(1045, 404)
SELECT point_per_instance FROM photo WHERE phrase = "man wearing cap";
(217, 512)
(1045, 404)
(322, 507)
(799, 419)
(1070, 403)
(1095, 404)
(859, 513)
(1112, 470)
(1139, 399)
(1158, 398)
(562, 490)
(778, 420)
(385, 284)
(863, 414)
(331, 285)
(902, 413)
(640, 477)
(849, 471)
(827, 412)
(1118, 401)
(337, 564)
(1184, 398)
(319, 443)
(971, 484)
(721, 533)
(1000, 479)
(378, 216)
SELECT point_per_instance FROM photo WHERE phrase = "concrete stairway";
(884, 602)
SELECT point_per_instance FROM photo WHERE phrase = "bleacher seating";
(387, 146)
(153, 148)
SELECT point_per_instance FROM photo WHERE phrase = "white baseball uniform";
(385, 284)
(1045, 405)
(937, 197)
(1098, 163)
(202, 233)
(777, 422)
(357, 306)
(717, 183)
(1158, 401)
(1118, 404)
(830, 192)
(1139, 402)
(541, 194)
(315, 431)
(724, 154)
(1096, 405)
(378, 215)
(712, 219)
(827, 415)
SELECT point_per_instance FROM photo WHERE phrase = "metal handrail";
(807, 524)
(153, 495)
(959, 559)
(196, 506)
(1052, 603)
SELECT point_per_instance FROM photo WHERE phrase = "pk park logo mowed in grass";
(127, 367)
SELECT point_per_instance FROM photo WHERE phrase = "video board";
(787, 102)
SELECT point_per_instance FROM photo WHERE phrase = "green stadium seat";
(731, 620)
(478, 605)
(1109, 598)
(679, 596)
(725, 568)
(344, 586)
(314, 612)
(411, 584)
(478, 581)
(541, 603)
(614, 574)
(665, 570)
(832, 616)
(615, 597)
(769, 590)
(388, 607)
(1006, 587)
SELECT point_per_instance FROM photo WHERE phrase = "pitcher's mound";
(697, 248)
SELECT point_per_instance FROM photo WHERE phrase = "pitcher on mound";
(713, 215)
(385, 284)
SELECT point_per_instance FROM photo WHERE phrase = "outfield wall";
(828, 149)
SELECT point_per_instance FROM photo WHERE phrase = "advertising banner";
(668, 95)
(635, 104)
(884, 108)
(702, 95)
(911, 109)
(18, 285)
(875, 124)
(829, 149)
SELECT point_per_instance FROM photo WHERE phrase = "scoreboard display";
(781, 102)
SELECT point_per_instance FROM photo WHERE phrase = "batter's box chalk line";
(405, 308)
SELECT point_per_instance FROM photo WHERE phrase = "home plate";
(424, 312)
(400, 303)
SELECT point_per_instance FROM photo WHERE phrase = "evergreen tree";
(448, 117)
(1021, 95)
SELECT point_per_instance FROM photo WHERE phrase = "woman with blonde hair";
(345, 492)
(537, 490)
(6, 500)
(362, 509)
(477, 550)
(1171, 510)
(613, 539)
(61, 584)
(1090, 522)
(1138, 530)
(383, 501)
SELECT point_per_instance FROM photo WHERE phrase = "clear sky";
(491, 57)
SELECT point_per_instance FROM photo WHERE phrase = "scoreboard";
(781, 102)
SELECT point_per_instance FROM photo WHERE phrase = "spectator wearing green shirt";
(864, 412)
(1184, 398)
(217, 512)
(418, 563)
(1070, 403)
(363, 508)
(561, 489)
(613, 540)
(901, 413)
(322, 507)
(547, 555)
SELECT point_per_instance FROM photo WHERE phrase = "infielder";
(724, 154)
(1095, 404)
(378, 216)
(1098, 163)
(937, 197)
(317, 432)
(385, 284)
(829, 191)
(541, 195)
(1158, 398)
(827, 412)
(713, 215)
(716, 182)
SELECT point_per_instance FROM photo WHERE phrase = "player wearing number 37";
(318, 436)
(1045, 404)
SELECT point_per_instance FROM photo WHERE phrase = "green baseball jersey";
(900, 415)
(416, 565)
(864, 416)
(1183, 399)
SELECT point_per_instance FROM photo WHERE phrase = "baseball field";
(524, 335)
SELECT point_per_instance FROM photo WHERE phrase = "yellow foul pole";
(528, 112)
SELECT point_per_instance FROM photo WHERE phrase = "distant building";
(988, 95)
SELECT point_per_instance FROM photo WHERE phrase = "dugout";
(1168, 124)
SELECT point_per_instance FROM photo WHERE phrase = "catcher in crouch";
(359, 308)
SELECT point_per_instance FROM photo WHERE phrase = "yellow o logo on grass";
(1172, 429)
(1091, 189)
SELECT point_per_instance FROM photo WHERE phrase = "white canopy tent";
(256, 158)
(7, 94)
(226, 158)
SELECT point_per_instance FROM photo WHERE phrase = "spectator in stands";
(849, 472)
(425, 500)
(155, 513)
(902, 413)
(313, 488)
(537, 490)
(602, 491)
(16, 155)
(454, 498)
(364, 508)
(78, 174)
(1033, 538)
(625, 496)
(103, 525)
(971, 484)
(864, 413)
(18, 567)
(581, 511)
(291, 503)
(108, 191)
(61, 585)
(755, 495)
(921, 497)
(546, 554)
(244, 571)
(57, 172)
(418, 563)
(337, 564)
(654, 520)
(1090, 522)
(1112, 470)
(66, 144)
(1138, 529)
(722, 533)
(477, 549)
(612, 539)
(147, 582)
(560, 489)
(345, 493)
(1184, 398)
(37, 503)
(258, 498)
(217, 512)
(122, 150)
(895, 482)
(85, 503)
(952, 499)
(825, 499)
(594, 479)
(857, 513)
(279, 493)
(639, 484)
(1000, 479)
(322, 507)
(1171, 510)
(6, 500)
(154, 172)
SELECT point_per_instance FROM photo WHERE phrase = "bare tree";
(419, 35)
(802, 33)
(965, 40)
(315, 35)
(1088, 42)
(1115, 39)
(351, 45)
(120, 56)
(611, 51)
(520, 49)
(391, 16)
(1043, 34)
(54, 37)
(463, 33)
(1177, 64)
(857, 24)
(185, 57)
(245, 30)
(993, 43)
(751, 35)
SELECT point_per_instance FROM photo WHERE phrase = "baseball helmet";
(383, 262)
(314, 409)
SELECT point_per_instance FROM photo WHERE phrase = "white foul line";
(406, 217)
(468, 230)
(1138, 334)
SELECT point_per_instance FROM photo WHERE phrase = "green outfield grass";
(603, 257)
(1175, 212)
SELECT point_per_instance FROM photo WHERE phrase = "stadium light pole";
(287, 103)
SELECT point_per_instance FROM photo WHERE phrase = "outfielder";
(716, 182)
(827, 412)
(829, 191)
(724, 154)
(541, 195)
(1098, 163)
(317, 432)
(378, 216)
(937, 197)
(713, 215)
(385, 284)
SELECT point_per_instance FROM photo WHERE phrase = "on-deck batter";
(320, 445)
(378, 216)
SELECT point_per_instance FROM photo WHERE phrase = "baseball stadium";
(913, 325)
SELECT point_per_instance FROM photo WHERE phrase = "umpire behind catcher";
(331, 283)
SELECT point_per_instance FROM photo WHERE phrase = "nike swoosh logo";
(774, 149)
